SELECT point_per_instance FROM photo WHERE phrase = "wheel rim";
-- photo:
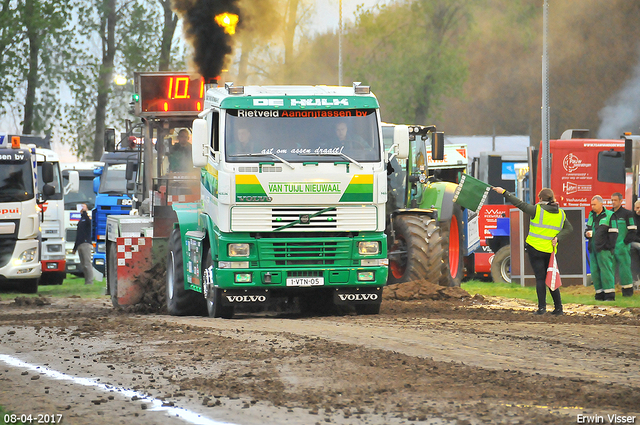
(505, 269)
(454, 247)
(170, 276)
(398, 258)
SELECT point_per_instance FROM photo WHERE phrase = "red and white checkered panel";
(134, 258)
(133, 250)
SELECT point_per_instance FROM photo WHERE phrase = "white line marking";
(187, 415)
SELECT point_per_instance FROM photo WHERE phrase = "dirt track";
(417, 362)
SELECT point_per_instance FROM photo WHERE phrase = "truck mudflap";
(133, 259)
(244, 296)
(343, 296)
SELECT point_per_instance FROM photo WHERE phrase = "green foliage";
(570, 295)
(35, 46)
(412, 53)
(72, 286)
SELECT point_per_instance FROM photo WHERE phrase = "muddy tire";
(112, 273)
(214, 298)
(501, 265)
(453, 239)
(417, 252)
(180, 301)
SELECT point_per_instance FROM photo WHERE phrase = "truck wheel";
(417, 252)
(112, 273)
(501, 265)
(29, 286)
(180, 301)
(452, 237)
(214, 300)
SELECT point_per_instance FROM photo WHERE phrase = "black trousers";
(540, 262)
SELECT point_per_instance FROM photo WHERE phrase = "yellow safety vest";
(544, 226)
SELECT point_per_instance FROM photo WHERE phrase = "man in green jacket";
(622, 254)
(602, 234)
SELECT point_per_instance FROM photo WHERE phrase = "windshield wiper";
(273, 155)
(334, 154)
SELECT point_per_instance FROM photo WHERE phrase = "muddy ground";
(455, 361)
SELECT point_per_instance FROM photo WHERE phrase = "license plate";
(305, 281)
(72, 267)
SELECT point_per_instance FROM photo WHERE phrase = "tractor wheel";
(501, 265)
(214, 297)
(417, 251)
(180, 301)
(112, 273)
(452, 238)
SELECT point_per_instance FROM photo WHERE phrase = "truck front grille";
(304, 253)
(290, 219)
(7, 245)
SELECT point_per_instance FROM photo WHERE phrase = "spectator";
(84, 246)
(635, 246)
(548, 225)
(602, 234)
(180, 156)
(626, 234)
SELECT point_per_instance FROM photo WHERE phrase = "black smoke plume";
(209, 41)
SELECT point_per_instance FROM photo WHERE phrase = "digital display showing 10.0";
(169, 94)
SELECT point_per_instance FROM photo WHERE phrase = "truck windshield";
(302, 135)
(56, 183)
(85, 195)
(113, 180)
(16, 177)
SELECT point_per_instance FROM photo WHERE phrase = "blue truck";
(113, 197)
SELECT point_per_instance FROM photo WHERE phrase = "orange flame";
(228, 21)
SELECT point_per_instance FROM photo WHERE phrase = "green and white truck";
(293, 187)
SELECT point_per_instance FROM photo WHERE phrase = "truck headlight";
(26, 257)
(101, 247)
(368, 248)
(69, 251)
(238, 249)
(54, 248)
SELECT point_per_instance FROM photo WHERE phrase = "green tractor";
(427, 233)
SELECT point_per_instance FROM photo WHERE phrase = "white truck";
(19, 215)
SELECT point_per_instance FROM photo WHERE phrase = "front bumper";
(30, 270)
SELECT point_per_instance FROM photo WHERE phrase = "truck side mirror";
(48, 190)
(74, 182)
(401, 141)
(200, 142)
(131, 168)
(437, 146)
(130, 186)
(110, 140)
(47, 172)
(96, 184)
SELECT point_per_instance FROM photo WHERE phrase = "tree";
(34, 46)
(130, 39)
(412, 52)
